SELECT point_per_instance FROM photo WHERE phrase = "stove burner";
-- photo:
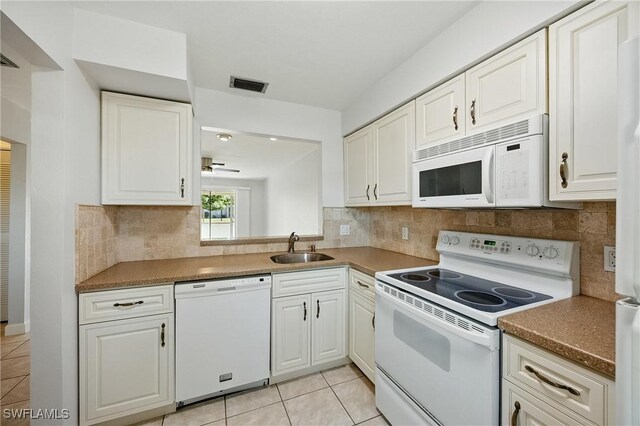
(415, 277)
(445, 275)
(480, 298)
(516, 293)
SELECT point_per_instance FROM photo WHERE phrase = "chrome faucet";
(292, 240)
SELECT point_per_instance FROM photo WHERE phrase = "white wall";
(484, 30)
(265, 116)
(291, 206)
(65, 170)
(257, 200)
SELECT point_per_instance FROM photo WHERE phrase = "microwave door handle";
(488, 183)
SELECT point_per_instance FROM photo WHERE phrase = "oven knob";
(532, 250)
(455, 240)
(445, 239)
(551, 252)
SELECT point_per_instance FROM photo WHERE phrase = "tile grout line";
(283, 404)
(14, 386)
(343, 407)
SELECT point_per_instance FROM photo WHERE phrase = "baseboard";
(298, 373)
(19, 328)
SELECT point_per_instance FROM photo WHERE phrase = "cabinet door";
(362, 333)
(126, 367)
(329, 326)
(290, 335)
(146, 151)
(358, 165)
(583, 80)
(509, 85)
(394, 139)
(521, 408)
(441, 113)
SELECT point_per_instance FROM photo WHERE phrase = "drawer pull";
(373, 321)
(162, 336)
(543, 379)
(455, 117)
(368, 198)
(304, 305)
(514, 416)
(318, 313)
(473, 112)
(128, 304)
(361, 284)
(563, 169)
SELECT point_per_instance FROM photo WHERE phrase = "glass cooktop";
(474, 292)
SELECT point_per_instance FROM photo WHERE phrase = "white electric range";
(437, 343)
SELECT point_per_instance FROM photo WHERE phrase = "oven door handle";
(487, 340)
(488, 183)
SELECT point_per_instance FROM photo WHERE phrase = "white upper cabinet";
(358, 149)
(146, 151)
(440, 113)
(583, 104)
(377, 160)
(509, 85)
(394, 138)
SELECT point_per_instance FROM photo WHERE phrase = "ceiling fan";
(207, 165)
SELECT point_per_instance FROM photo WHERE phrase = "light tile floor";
(15, 359)
(340, 396)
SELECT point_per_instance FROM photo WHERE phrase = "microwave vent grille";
(491, 136)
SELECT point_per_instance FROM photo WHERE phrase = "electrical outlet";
(344, 230)
(609, 258)
(405, 232)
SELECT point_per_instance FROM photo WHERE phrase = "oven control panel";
(546, 255)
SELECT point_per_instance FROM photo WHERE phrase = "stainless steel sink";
(300, 257)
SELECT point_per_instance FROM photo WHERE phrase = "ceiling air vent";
(246, 84)
(6, 62)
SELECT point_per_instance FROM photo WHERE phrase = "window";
(218, 215)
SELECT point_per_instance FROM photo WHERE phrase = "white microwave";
(505, 167)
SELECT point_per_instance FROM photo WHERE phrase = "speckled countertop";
(581, 329)
(148, 272)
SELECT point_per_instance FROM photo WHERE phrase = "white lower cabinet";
(126, 365)
(540, 388)
(308, 329)
(362, 322)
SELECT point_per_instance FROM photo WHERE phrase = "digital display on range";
(489, 243)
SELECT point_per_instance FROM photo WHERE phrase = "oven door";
(446, 364)
(461, 179)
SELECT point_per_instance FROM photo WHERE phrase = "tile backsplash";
(112, 234)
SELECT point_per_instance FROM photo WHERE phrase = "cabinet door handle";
(473, 111)
(162, 336)
(318, 312)
(368, 198)
(182, 187)
(543, 379)
(375, 191)
(514, 416)
(455, 117)
(304, 305)
(564, 168)
(361, 284)
(127, 304)
(373, 321)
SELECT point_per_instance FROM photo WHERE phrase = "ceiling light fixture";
(224, 137)
(273, 139)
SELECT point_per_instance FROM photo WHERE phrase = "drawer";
(362, 283)
(126, 303)
(522, 408)
(543, 373)
(292, 283)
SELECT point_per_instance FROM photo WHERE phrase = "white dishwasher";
(222, 336)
